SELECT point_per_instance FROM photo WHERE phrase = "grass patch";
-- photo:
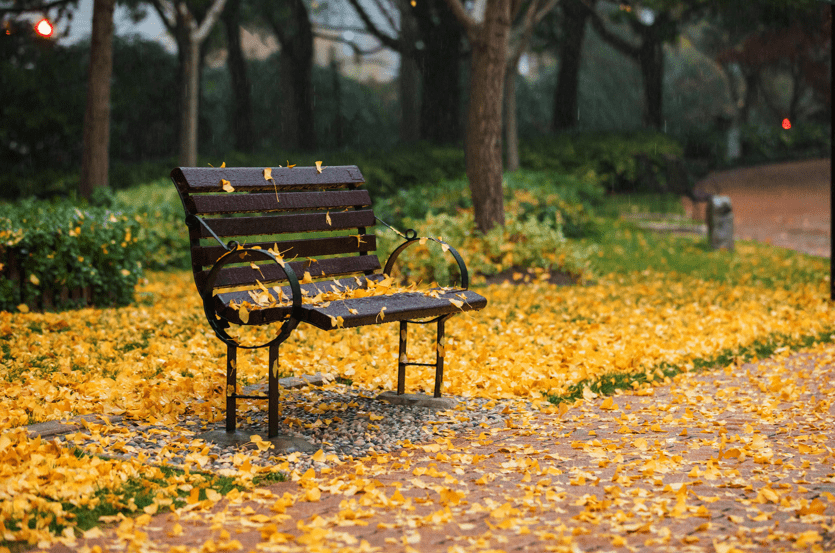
(625, 250)
(760, 349)
(658, 204)
(168, 488)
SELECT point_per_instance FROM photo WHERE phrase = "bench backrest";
(260, 212)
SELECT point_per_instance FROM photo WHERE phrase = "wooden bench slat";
(285, 201)
(332, 266)
(272, 314)
(205, 256)
(290, 223)
(414, 305)
(207, 179)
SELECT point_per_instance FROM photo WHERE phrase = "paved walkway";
(732, 460)
(785, 204)
(735, 460)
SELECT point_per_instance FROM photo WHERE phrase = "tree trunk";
(338, 129)
(296, 64)
(410, 105)
(181, 23)
(96, 140)
(408, 80)
(189, 100)
(511, 131)
(241, 123)
(652, 70)
(575, 15)
(440, 67)
(484, 120)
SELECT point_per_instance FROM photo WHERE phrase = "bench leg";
(439, 357)
(231, 386)
(272, 399)
(402, 360)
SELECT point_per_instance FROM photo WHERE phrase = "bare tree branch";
(341, 28)
(166, 13)
(392, 23)
(469, 24)
(618, 43)
(357, 50)
(393, 43)
(209, 20)
(537, 10)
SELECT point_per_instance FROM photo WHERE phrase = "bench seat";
(297, 238)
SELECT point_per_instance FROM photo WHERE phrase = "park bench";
(311, 261)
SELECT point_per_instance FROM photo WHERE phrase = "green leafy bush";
(57, 246)
(543, 195)
(162, 231)
(803, 141)
(527, 240)
(612, 158)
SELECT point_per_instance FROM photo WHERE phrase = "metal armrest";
(412, 239)
(243, 254)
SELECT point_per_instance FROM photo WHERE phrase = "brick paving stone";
(744, 475)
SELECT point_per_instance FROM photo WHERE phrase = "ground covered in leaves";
(728, 461)
(157, 361)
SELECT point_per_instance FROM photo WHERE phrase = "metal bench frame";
(207, 184)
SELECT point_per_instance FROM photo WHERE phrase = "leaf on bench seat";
(319, 166)
(243, 313)
(226, 185)
(381, 316)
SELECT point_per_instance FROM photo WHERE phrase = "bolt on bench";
(272, 280)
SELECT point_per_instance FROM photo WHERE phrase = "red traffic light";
(44, 28)
(787, 124)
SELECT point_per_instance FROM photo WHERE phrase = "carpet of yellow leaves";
(158, 360)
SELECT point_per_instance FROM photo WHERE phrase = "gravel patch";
(343, 421)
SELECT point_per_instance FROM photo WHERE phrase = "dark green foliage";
(42, 99)
(612, 158)
(144, 119)
(567, 201)
(369, 110)
(59, 246)
(805, 140)
(42, 95)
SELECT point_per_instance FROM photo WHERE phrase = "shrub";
(51, 249)
(528, 239)
(613, 158)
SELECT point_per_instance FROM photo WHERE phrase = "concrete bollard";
(720, 223)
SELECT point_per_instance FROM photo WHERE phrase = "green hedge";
(50, 247)
(613, 158)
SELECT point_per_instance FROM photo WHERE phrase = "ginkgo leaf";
(243, 313)
(261, 443)
(319, 167)
(290, 166)
(307, 279)
(226, 185)
(268, 173)
(381, 315)
(222, 165)
(328, 218)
